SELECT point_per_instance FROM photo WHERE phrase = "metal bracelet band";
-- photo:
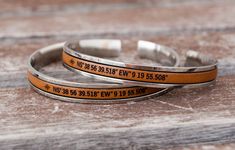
(199, 70)
(79, 92)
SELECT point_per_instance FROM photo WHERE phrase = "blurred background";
(85, 18)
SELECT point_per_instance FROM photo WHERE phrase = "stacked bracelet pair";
(126, 82)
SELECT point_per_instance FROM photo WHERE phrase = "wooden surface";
(182, 119)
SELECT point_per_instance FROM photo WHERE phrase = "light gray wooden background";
(182, 119)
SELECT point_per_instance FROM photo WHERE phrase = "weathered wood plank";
(194, 116)
(33, 8)
(220, 45)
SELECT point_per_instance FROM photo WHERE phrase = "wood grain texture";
(182, 119)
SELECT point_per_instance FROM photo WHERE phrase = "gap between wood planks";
(134, 32)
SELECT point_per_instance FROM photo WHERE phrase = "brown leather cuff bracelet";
(82, 56)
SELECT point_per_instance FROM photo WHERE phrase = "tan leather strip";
(139, 75)
(90, 93)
